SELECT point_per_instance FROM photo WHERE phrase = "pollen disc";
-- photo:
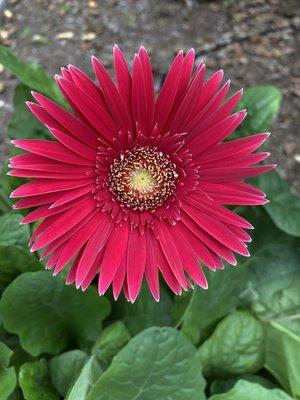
(142, 178)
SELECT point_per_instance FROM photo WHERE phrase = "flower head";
(134, 185)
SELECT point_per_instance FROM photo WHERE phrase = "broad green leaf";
(32, 75)
(13, 261)
(180, 304)
(158, 363)
(244, 390)
(23, 124)
(208, 306)
(11, 341)
(65, 368)
(145, 312)
(5, 354)
(20, 357)
(7, 185)
(89, 374)
(16, 394)
(283, 357)
(8, 378)
(35, 381)
(12, 233)
(277, 255)
(8, 381)
(262, 104)
(111, 340)
(283, 306)
(46, 314)
(222, 385)
(284, 207)
(235, 347)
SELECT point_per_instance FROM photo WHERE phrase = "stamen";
(143, 178)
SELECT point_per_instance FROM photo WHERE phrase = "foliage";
(284, 209)
(242, 334)
(157, 363)
(46, 314)
(235, 347)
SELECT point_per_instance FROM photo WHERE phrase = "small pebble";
(297, 158)
(65, 35)
(39, 39)
(88, 36)
(8, 14)
(92, 4)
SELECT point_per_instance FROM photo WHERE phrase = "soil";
(254, 41)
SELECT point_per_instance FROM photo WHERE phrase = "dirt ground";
(254, 41)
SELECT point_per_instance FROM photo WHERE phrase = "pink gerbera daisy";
(133, 184)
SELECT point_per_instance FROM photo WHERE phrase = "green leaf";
(222, 385)
(65, 368)
(13, 261)
(23, 124)
(113, 338)
(32, 75)
(8, 381)
(9, 340)
(35, 381)
(46, 314)
(89, 374)
(284, 207)
(244, 390)
(282, 306)
(8, 184)
(158, 363)
(8, 378)
(20, 356)
(262, 104)
(277, 255)
(208, 306)
(12, 233)
(5, 354)
(146, 312)
(235, 347)
(283, 357)
(16, 394)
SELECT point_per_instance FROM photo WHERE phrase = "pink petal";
(42, 186)
(93, 247)
(75, 145)
(152, 262)
(70, 122)
(123, 77)
(77, 240)
(169, 249)
(167, 94)
(39, 163)
(112, 96)
(93, 112)
(51, 149)
(216, 229)
(64, 223)
(136, 260)
(113, 256)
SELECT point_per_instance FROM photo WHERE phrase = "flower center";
(142, 178)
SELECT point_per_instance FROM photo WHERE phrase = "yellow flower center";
(142, 181)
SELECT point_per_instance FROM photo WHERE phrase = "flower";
(134, 186)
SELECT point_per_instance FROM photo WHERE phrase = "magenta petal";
(113, 255)
(136, 259)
